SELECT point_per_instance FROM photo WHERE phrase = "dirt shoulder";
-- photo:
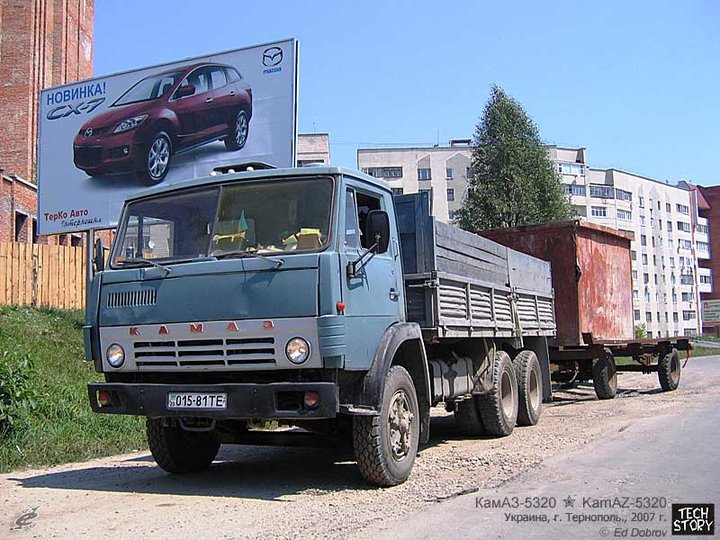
(299, 493)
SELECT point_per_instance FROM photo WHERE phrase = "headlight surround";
(115, 355)
(297, 350)
(130, 123)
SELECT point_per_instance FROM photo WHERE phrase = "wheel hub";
(400, 423)
(158, 157)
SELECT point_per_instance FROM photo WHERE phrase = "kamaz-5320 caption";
(311, 297)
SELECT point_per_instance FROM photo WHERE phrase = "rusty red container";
(591, 273)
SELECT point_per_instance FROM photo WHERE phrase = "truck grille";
(141, 297)
(204, 352)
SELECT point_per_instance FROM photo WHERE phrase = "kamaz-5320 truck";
(311, 297)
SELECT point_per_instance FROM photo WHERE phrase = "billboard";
(104, 138)
(711, 311)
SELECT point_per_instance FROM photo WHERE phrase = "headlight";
(297, 350)
(130, 123)
(115, 355)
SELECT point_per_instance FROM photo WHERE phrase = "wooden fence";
(41, 275)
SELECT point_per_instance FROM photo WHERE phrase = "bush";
(17, 398)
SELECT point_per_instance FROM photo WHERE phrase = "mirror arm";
(354, 267)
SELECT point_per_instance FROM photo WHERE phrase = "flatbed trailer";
(592, 277)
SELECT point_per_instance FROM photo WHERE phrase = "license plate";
(190, 400)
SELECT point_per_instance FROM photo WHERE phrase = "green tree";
(513, 181)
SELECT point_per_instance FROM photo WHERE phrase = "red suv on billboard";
(165, 114)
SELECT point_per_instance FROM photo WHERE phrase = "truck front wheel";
(178, 451)
(385, 445)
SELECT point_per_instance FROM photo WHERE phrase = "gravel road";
(263, 492)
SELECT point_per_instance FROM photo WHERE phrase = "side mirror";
(377, 230)
(99, 256)
(185, 91)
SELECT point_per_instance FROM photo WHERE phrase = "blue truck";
(314, 298)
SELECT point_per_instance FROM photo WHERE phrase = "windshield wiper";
(245, 255)
(143, 260)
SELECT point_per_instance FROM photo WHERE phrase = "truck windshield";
(244, 219)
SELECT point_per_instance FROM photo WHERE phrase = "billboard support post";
(89, 270)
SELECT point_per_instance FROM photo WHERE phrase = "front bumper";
(244, 400)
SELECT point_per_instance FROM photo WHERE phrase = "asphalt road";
(641, 470)
(644, 443)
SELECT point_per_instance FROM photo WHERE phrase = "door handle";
(394, 295)
(232, 93)
(208, 100)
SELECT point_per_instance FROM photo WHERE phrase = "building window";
(450, 194)
(687, 297)
(397, 191)
(703, 246)
(424, 174)
(76, 240)
(643, 240)
(701, 228)
(689, 315)
(682, 208)
(598, 211)
(635, 275)
(449, 173)
(602, 192)
(451, 214)
(571, 168)
(685, 244)
(574, 189)
(21, 223)
(646, 278)
(690, 332)
(637, 314)
(623, 195)
(648, 316)
(683, 226)
(384, 172)
(668, 208)
(625, 215)
(633, 255)
(707, 280)
(686, 279)
(642, 221)
(641, 202)
(645, 260)
(636, 294)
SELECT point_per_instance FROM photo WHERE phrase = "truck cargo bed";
(458, 284)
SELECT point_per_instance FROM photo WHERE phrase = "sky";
(635, 82)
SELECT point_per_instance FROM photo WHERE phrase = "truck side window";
(365, 203)
(352, 230)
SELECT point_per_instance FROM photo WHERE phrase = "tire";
(178, 451)
(669, 371)
(385, 445)
(499, 408)
(239, 130)
(605, 376)
(530, 389)
(467, 418)
(158, 156)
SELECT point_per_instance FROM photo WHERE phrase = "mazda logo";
(88, 132)
(272, 56)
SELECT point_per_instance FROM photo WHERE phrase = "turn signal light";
(340, 306)
(312, 399)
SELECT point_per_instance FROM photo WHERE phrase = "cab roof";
(295, 172)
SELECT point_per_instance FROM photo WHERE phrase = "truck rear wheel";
(529, 379)
(669, 371)
(499, 408)
(178, 451)
(467, 418)
(385, 445)
(605, 376)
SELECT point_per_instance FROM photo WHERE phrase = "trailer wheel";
(178, 451)
(530, 392)
(605, 376)
(499, 408)
(669, 371)
(467, 418)
(385, 445)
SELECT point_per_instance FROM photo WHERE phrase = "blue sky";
(637, 83)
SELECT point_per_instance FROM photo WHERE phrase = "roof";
(295, 172)
(556, 225)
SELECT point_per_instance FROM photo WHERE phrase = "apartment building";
(671, 237)
(441, 171)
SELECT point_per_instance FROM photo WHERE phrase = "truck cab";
(279, 294)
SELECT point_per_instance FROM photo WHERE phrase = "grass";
(695, 353)
(61, 428)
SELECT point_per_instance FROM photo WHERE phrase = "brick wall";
(44, 43)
